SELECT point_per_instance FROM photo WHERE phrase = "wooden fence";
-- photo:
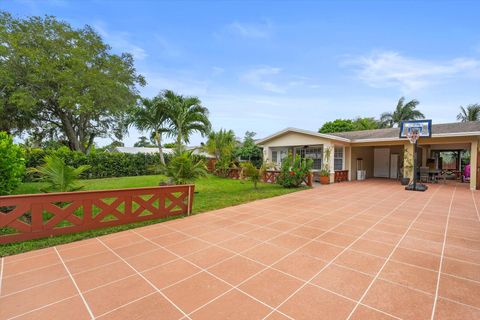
(25, 217)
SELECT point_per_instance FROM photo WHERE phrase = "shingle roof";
(442, 128)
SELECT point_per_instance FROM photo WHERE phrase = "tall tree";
(187, 115)
(249, 150)
(338, 125)
(152, 115)
(470, 113)
(221, 143)
(62, 81)
(142, 142)
(403, 112)
(365, 124)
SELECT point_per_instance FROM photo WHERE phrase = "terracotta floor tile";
(151, 259)
(343, 281)
(170, 273)
(314, 302)
(320, 250)
(154, 231)
(266, 253)
(188, 247)
(29, 263)
(122, 239)
(239, 244)
(82, 251)
(30, 254)
(448, 310)
(196, 291)
(102, 275)
(262, 234)
(277, 316)
(410, 276)
(360, 262)
(349, 230)
(337, 239)
(461, 269)
(272, 287)
(421, 245)
(233, 305)
(208, 257)
(464, 291)
(152, 307)
(416, 258)
(307, 232)
(72, 309)
(114, 295)
(136, 249)
(301, 266)
(33, 278)
(236, 269)
(37, 297)
(379, 249)
(389, 238)
(464, 254)
(217, 236)
(85, 263)
(282, 226)
(288, 241)
(399, 301)
(365, 313)
(170, 239)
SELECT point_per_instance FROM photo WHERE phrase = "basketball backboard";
(423, 127)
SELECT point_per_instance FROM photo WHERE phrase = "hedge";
(103, 164)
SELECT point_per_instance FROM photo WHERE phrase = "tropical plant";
(12, 164)
(221, 143)
(294, 171)
(403, 112)
(470, 113)
(63, 83)
(253, 173)
(249, 150)
(187, 115)
(59, 176)
(183, 168)
(152, 115)
(143, 142)
(325, 170)
(365, 124)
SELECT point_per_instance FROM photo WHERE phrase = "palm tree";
(221, 143)
(403, 112)
(470, 113)
(152, 115)
(187, 115)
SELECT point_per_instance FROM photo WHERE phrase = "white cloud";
(390, 69)
(258, 77)
(251, 30)
(120, 41)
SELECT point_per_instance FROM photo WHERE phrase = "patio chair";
(424, 175)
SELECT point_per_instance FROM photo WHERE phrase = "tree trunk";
(158, 137)
(70, 132)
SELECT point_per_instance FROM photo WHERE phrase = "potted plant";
(407, 167)
(324, 174)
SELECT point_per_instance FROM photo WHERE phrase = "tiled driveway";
(364, 250)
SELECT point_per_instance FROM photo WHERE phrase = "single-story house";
(380, 153)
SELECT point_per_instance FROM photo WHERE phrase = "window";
(274, 156)
(314, 153)
(338, 158)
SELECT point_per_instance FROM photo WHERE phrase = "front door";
(381, 162)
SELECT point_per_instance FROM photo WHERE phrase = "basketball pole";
(415, 165)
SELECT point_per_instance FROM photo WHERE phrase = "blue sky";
(263, 66)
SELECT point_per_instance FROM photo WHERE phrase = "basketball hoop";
(413, 134)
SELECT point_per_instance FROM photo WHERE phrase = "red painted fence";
(25, 217)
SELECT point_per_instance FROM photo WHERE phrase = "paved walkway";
(362, 250)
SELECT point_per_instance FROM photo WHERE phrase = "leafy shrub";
(183, 168)
(12, 164)
(293, 171)
(59, 176)
(102, 164)
(253, 173)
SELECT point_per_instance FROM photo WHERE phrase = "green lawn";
(210, 193)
